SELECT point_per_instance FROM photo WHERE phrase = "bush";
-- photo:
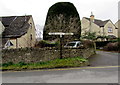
(7, 64)
(89, 36)
(112, 46)
(88, 43)
(41, 43)
(101, 43)
(44, 43)
(21, 63)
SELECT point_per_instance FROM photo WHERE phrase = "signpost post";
(60, 34)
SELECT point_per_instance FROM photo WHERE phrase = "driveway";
(103, 58)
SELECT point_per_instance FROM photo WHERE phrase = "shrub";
(89, 36)
(88, 43)
(101, 43)
(41, 43)
(112, 46)
(21, 63)
(44, 43)
(7, 64)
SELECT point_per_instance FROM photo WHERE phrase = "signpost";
(60, 34)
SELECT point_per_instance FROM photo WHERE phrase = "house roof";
(98, 22)
(117, 23)
(15, 26)
(4, 40)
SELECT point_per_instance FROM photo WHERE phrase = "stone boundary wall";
(31, 55)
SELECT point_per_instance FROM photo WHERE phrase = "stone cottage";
(117, 24)
(101, 28)
(1, 30)
(1, 27)
(19, 32)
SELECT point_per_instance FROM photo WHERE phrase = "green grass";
(57, 63)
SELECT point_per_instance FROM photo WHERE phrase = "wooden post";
(60, 34)
(60, 47)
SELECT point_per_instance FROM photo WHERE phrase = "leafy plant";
(57, 63)
(112, 47)
(44, 43)
(7, 64)
(21, 64)
(88, 43)
(89, 36)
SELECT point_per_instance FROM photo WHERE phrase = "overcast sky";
(102, 9)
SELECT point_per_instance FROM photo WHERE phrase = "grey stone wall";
(28, 55)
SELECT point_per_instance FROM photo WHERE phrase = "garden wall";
(28, 55)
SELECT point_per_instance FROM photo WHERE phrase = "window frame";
(110, 30)
(31, 25)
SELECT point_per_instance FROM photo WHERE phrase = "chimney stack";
(92, 17)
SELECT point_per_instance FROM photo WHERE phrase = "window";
(71, 44)
(110, 30)
(8, 44)
(30, 36)
(78, 44)
(30, 25)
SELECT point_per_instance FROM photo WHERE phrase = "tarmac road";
(74, 75)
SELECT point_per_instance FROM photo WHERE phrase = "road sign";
(60, 34)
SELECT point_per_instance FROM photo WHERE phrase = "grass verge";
(57, 63)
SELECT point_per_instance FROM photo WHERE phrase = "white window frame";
(110, 30)
(8, 44)
(31, 25)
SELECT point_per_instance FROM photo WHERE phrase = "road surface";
(103, 58)
(105, 71)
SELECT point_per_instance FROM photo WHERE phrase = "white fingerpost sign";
(60, 34)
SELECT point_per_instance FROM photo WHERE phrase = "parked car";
(74, 44)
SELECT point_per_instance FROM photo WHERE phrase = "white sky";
(102, 9)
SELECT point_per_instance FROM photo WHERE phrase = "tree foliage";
(89, 36)
(59, 23)
(62, 17)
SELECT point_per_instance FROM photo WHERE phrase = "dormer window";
(110, 29)
(8, 44)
